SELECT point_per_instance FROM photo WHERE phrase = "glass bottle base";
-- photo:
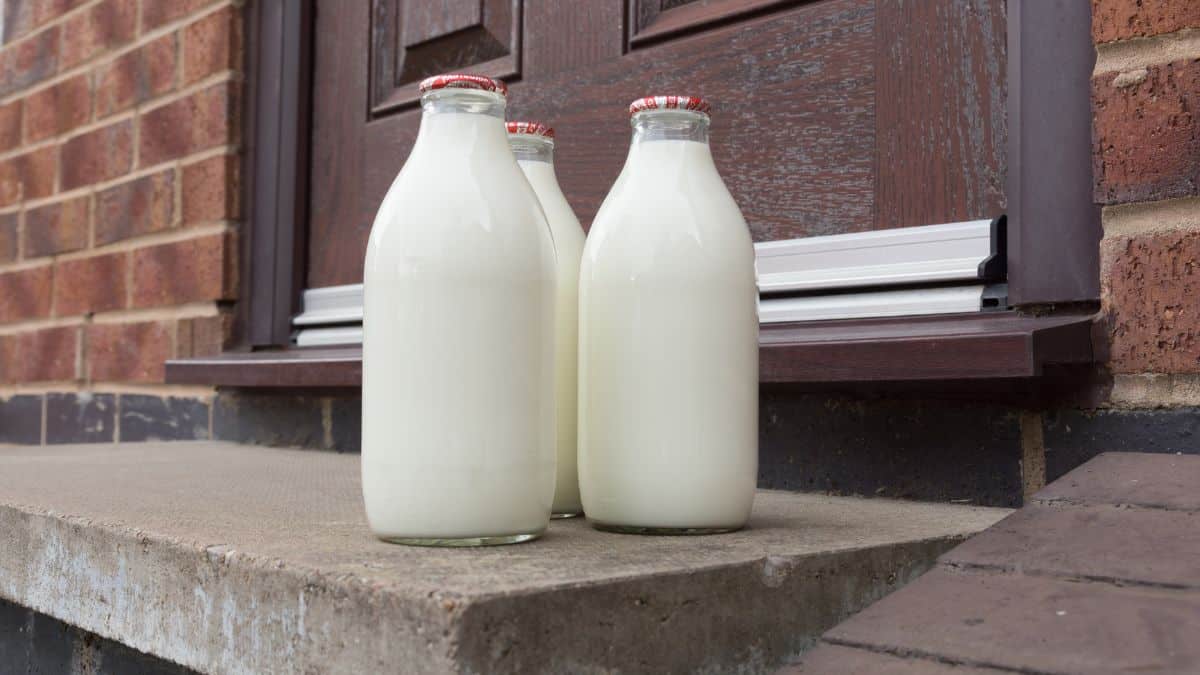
(462, 542)
(569, 514)
(661, 531)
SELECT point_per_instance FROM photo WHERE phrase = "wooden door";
(829, 116)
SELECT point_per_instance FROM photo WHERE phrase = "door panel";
(828, 116)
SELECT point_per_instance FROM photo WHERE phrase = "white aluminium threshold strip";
(334, 335)
(331, 304)
(907, 302)
(908, 255)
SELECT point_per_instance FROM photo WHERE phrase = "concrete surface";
(1099, 574)
(242, 559)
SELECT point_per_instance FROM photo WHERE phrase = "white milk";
(458, 439)
(668, 341)
(535, 155)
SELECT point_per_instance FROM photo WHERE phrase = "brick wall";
(1146, 101)
(118, 209)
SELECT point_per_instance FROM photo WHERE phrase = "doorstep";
(231, 558)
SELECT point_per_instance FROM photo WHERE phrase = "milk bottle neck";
(669, 125)
(460, 119)
(531, 148)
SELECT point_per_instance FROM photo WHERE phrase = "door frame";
(1050, 57)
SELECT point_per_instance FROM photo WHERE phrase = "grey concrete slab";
(241, 559)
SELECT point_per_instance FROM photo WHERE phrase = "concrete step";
(238, 559)
(1100, 573)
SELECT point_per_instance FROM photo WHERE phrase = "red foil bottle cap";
(462, 81)
(694, 103)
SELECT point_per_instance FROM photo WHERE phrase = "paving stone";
(827, 659)
(80, 418)
(229, 558)
(1109, 542)
(1162, 481)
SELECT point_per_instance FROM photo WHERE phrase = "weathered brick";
(57, 228)
(193, 270)
(98, 155)
(211, 45)
(107, 25)
(21, 419)
(1147, 133)
(198, 122)
(136, 207)
(8, 237)
(137, 76)
(30, 61)
(210, 190)
(49, 10)
(202, 336)
(128, 352)
(154, 418)
(10, 125)
(156, 13)
(58, 109)
(1149, 286)
(47, 355)
(1124, 19)
(28, 176)
(85, 417)
(93, 284)
(25, 294)
(20, 16)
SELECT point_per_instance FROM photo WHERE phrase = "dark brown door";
(829, 116)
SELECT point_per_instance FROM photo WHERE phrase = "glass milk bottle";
(458, 335)
(533, 145)
(668, 338)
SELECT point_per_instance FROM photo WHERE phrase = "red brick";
(102, 27)
(128, 352)
(10, 125)
(29, 61)
(198, 122)
(193, 270)
(19, 18)
(137, 76)
(8, 237)
(58, 109)
(156, 13)
(1150, 285)
(137, 207)
(93, 284)
(1147, 134)
(57, 228)
(203, 336)
(47, 355)
(211, 45)
(28, 176)
(25, 294)
(49, 10)
(1124, 19)
(98, 155)
(210, 190)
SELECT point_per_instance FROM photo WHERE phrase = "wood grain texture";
(940, 115)
(595, 28)
(654, 20)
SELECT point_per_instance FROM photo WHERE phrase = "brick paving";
(1100, 573)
